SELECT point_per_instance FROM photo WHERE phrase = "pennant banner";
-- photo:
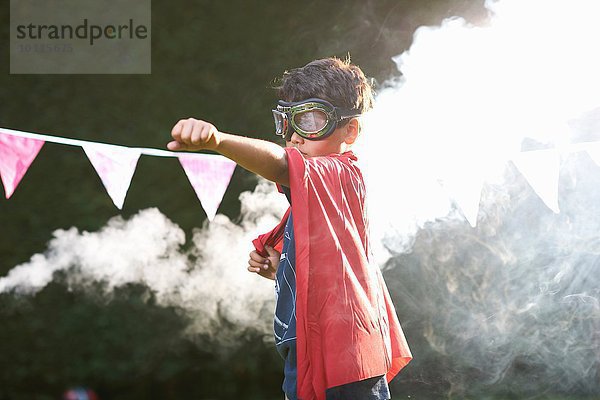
(209, 175)
(541, 168)
(16, 155)
(115, 165)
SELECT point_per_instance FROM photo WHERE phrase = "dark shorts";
(369, 389)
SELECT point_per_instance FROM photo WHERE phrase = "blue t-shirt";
(284, 325)
(284, 329)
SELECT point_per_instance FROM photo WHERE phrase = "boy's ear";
(352, 131)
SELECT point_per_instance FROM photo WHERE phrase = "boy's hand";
(264, 266)
(194, 134)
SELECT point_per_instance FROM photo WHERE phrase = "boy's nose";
(296, 139)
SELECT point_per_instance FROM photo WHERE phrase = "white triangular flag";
(541, 168)
(115, 165)
(465, 190)
(593, 149)
(210, 176)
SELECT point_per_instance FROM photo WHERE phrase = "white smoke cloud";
(467, 97)
(514, 302)
(209, 281)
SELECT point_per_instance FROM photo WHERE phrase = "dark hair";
(339, 82)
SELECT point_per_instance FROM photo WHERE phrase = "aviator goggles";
(312, 119)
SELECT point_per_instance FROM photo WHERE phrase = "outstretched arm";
(264, 158)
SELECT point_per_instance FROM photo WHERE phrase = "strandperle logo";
(85, 30)
(80, 37)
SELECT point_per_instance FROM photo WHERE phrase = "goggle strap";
(345, 114)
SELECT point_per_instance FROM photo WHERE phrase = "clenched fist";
(264, 266)
(194, 134)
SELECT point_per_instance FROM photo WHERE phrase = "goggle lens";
(311, 121)
(280, 122)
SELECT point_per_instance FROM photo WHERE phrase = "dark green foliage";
(123, 346)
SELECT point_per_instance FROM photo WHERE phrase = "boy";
(334, 325)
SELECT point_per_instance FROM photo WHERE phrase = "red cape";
(346, 325)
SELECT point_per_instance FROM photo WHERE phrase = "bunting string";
(208, 174)
(82, 143)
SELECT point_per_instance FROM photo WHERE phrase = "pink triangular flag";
(541, 168)
(16, 155)
(115, 165)
(209, 176)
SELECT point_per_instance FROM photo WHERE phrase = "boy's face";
(312, 126)
(312, 119)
